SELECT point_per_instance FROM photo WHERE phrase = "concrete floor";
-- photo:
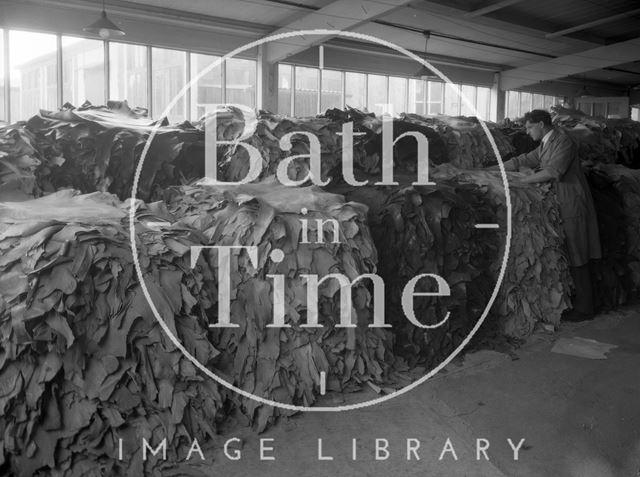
(579, 418)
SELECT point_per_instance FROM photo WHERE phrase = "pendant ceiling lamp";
(104, 27)
(424, 72)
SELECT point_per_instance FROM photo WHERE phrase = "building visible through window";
(33, 79)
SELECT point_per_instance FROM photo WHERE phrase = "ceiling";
(508, 33)
(527, 40)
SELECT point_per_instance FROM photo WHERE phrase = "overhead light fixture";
(104, 27)
(584, 92)
(424, 72)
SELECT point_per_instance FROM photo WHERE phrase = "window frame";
(6, 116)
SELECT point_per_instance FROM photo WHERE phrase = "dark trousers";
(583, 300)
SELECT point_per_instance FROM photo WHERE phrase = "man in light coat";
(556, 161)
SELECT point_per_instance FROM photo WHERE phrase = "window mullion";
(150, 81)
(7, 76)
(59, 90)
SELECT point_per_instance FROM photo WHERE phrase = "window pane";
(3, 112)
(614, 110)
(376, 93)
(451, 100)
(538, 101)
(513, 104)
(417, 96)
(398, 94)
(600, 109)
(525, 103)
(32, 65)
(483, 103)
(585, 107)
(306, 94)
(241, 82)
(82, 71)
(284, 89)
(548, 102)
(436, 97)
(355, 90)
(169, 77)
(128, 74)
(470, 93)
(331, 90)
(635, 114)
(205, 91)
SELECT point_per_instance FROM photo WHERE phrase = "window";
(355, 90)
(436, 98)
(586, 108)
(417, 101)
(398, 94)
(614, 110)
(376, 93)
(144, 76)
(599, 110)
(284, 89)
(241, 82)
(373, 92)
(169, 69)
(538, 101)
(451, 100)
(635, 114)
(519, 103)
(306, 93)
(525, 103)
(32, 72)
(513, 104)
(3, 111)
(82, 71)
(331, 90)
(468, 92)
(128, 74)
(483, 102)
(51, 83)
(207, 90)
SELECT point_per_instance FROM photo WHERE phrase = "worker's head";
(537, 123)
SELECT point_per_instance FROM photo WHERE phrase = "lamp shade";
(426, 73)
(104, 27)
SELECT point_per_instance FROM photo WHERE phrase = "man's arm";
(541, 176)
(508, 166)
(561, 156)
(530, 159)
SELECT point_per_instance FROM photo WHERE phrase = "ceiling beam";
(349, 45)
(485, 35)
(338, 15)
(594, 59)
(492, 28)
(136, 10)
(491, 8)
(594, 23)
